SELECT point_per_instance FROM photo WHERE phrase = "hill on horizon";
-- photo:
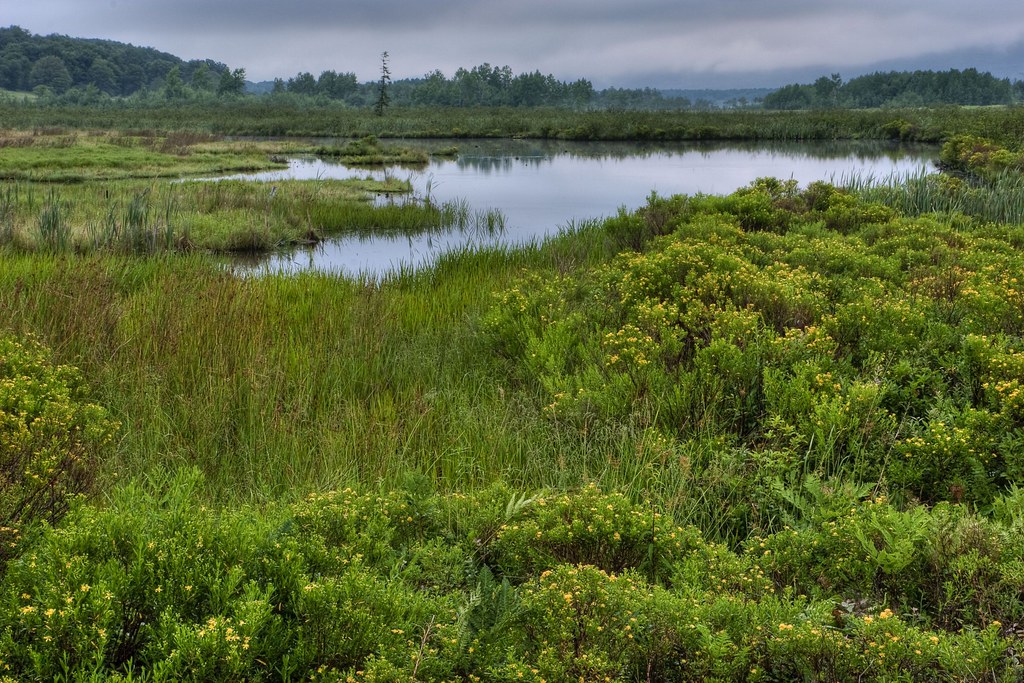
(60, 63)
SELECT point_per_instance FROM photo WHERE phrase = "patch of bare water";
(542, 187)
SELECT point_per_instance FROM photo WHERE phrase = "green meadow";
(774, 435)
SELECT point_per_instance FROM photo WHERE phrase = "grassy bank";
(62, 155)
(57, 155)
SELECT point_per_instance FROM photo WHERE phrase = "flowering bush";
(839, 335)
(154, 586)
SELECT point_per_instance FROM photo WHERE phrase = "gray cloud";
(681, 43)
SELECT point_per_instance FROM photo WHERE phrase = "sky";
(621, 43)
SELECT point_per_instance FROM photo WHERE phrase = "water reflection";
(542, 186)
(485, 155)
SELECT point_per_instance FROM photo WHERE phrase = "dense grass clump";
(981, 179)
(136, 217)
(369, 151)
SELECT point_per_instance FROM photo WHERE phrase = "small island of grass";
(369, 151)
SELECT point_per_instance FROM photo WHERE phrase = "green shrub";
(978, 156)
(51, 439)
(949, 567)
(156, 583)
(158, 587)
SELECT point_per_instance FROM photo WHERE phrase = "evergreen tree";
(385, 79)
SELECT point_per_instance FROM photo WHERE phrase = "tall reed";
(53, 230)
(9, 197)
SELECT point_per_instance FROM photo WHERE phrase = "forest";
(58, 64)
(898, 89)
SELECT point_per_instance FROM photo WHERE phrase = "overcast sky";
(658, 43)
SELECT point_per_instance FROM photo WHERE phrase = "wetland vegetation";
(765, 436)
(261, 117)
(57, 202)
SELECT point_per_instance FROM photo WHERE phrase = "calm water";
(542, 187)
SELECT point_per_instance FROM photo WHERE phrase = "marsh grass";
(145, 216)
(275, 386)
(9, 199)
(999, 199)
(278, 385)
(406, 216)
(257, 117)
(229, 215)
(77, 156)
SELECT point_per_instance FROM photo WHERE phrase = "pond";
(542, 187)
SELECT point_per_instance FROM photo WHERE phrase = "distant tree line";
(482, 85)
(492, 86)
(898, 89)
(497, 86)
